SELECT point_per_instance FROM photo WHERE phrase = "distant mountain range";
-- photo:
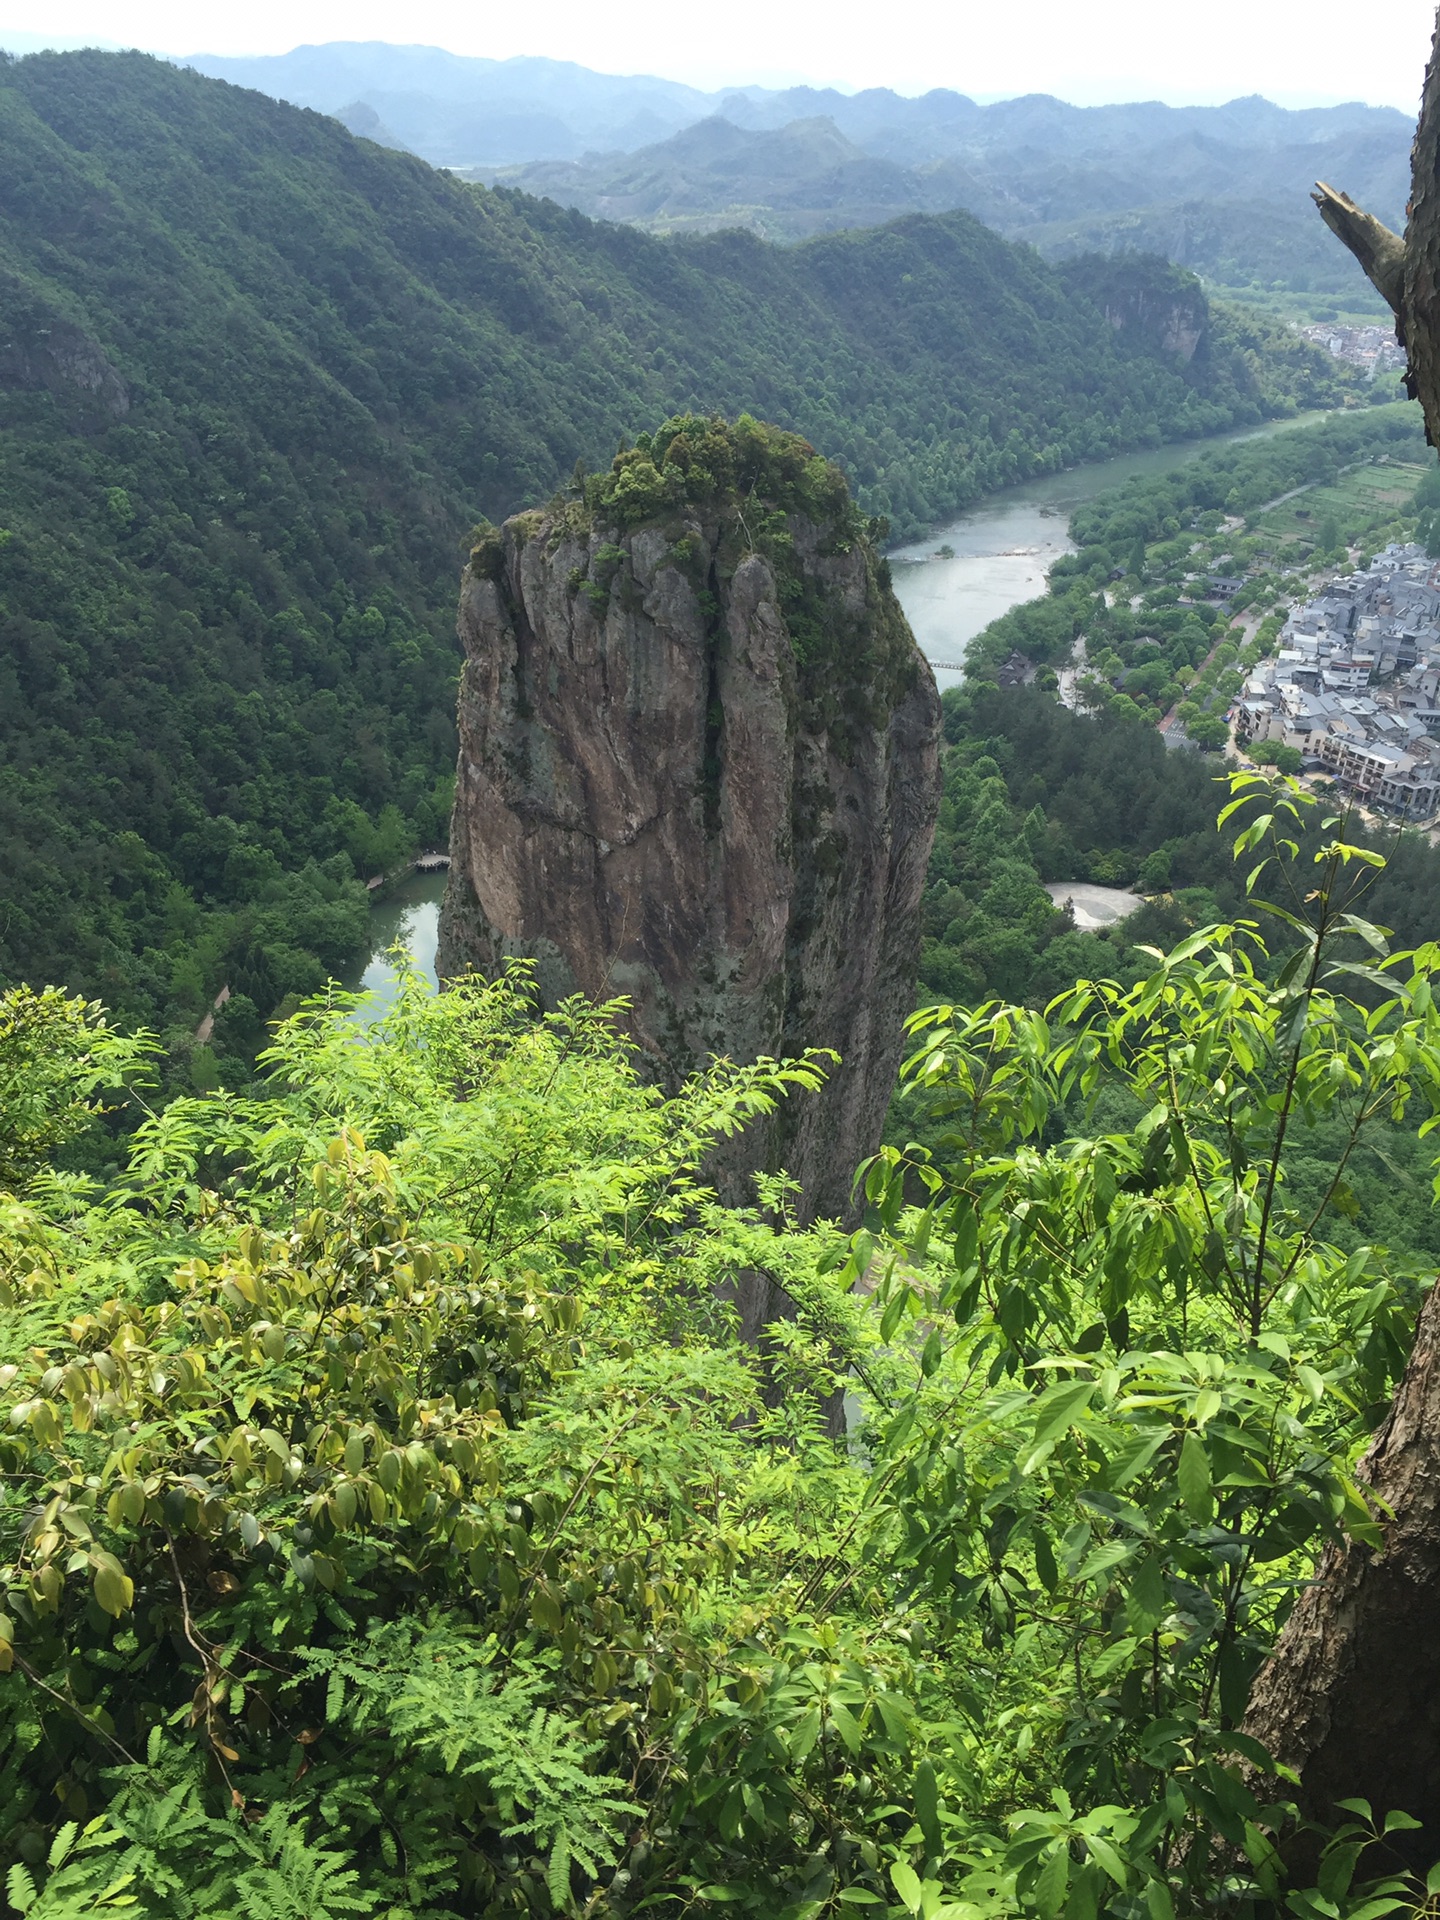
(1223, 190)
(458, 111)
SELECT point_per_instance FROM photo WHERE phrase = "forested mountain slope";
(1223, 190)
(257, 378)
(785, 184)
(1035, 159)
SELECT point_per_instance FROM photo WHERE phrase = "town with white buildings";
(1355, 685)
(1374, 348)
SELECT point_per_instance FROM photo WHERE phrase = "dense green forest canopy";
(392, 1524)
(258, 378)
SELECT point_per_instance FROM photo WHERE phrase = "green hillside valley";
(260, 379)
(849, 1326)
(1219, 189)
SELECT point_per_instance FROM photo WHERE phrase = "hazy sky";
(1083, 50)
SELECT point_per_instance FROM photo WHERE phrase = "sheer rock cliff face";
(56, 356)
(705, 779)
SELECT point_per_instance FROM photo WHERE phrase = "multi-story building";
(1355, 685)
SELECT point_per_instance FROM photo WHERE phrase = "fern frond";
(20, 1889)
(557, 1874)
(60, 1846)
(294, 1877)
(436, 1692)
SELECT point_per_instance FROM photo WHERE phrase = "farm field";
(1360, 505)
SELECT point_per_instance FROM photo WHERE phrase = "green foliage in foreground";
(390, 1523)
(1035, 793)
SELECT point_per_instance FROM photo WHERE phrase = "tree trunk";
(1406, 272)
(1350, 1698)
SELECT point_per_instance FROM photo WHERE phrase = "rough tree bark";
(1405, 272)
(1350, 1698)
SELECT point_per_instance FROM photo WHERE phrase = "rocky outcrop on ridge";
(698, 767)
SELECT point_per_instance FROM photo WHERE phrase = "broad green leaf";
(1114, 1553)
(1045, 1565)
(1398, 1822)
(846, 1725)
(1145, 1601)
(804, 1734)
(114, 1589)
(906, 1883)
(1084, 1901)
(1053, 1883)
(927, 1806)
(1158, 1900)
(1102, 1851)
(894, 1313)
(1061, 1405)
(545, 1610)
(1193, 1477)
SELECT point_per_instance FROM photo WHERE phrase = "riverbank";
(407, 914)
(997, 554)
